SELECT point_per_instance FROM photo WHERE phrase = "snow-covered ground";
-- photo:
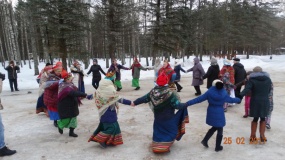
(34, 137)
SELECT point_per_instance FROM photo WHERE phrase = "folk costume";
(116, 68)
(68, 102)
(136, 68)
(51, 93)
(168, 126)
(78, 74)
(170, 73)
(106, 99)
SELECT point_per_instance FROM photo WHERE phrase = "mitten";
(89, 97)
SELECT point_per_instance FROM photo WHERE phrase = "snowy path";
(35, 138)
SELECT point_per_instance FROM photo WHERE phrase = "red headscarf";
(168, 71)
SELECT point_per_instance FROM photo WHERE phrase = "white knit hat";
(216, 81)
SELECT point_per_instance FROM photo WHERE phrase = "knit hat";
(236, 59)
(162, 80)
(227, 62)
(218, 84)
(214, 61)
(66, 75)
(257, 69)
(95, 60)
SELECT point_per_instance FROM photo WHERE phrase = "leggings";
(255, 119)
(219, 129)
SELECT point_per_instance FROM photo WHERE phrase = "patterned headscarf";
(105, 96)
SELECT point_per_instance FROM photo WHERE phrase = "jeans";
(13, 81)
(2, 143)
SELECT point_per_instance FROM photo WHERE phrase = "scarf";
(158, 95)
(135, 64)
(64, 89)
(105, 96)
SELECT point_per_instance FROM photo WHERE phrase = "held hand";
(132, 104)
(89, 97)
(60, 81)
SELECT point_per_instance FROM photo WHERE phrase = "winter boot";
(137, 88)
(218, 143)
(262, 125)
(118, 89)
(207, 137)
(253, 131)
(268, 126)
(60, 130)
(55, 124)
(5, 151)
(103, 145)
(71, 133)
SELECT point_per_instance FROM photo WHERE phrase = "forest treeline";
(82, 29)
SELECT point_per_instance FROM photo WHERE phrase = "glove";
(89, 97)
(60, 81)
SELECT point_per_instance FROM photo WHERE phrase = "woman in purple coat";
(198, 73)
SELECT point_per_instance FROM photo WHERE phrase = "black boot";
(137, 88)
(118, 89)
(207, 137)
(6, 151)
(71, 133)
(60, 130)
(55, 124)
(218, 143)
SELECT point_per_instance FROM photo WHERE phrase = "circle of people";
(61, 93)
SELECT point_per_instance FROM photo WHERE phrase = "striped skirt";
(108, 133)
(167, 131)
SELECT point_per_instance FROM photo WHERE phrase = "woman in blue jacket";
(216, 96)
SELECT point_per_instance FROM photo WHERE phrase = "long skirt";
(167, 131)
(135, 82)
(53, 113)
(67, 123)
(41, 107)
(108, 133)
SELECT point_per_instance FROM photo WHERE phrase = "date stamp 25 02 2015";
(241, 140)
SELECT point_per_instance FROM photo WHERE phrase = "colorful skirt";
(53, 113)
(167, 131)
(108, 133)
(41, 107)
(135, 82)
(67, 123)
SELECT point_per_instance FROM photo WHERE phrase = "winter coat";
(240, 73)
(231, 71)
(12, 73)
(96, 69)
(215, 111)
(137, 71)
(260, 86)
(118, 71)
(212, 74)
(68, 106)
(177, 70)
(198, 73)
(78, 75)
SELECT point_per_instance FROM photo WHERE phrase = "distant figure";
(240, 75)
(96, 69)
(78, 73)
(136, 69)
(115, 67)
(177, 69)
(212, 73)
(270, 57)
(12, 75)
(198, 73)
